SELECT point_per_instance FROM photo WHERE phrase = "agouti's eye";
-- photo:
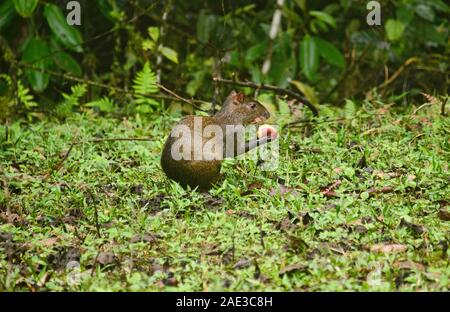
(252, 105)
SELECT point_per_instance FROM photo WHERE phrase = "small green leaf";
(143, 109)
(205, 26)
(364, 195)
(6, 13)
(425, 12)
(148, 45)
(25, 7)
(69, 36)
(62, 59)
(309, 58)
(307, 90)
(67, 63)
(256, 51)
(170, 54)
(394, 29)
(324, 17)
(36, 53)
(153, 33)
(330, 53)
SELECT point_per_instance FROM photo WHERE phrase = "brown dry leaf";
(49, 241)
(251, 188)
(433, 276)
(415, 228)
(212, 201)
(409, 265)
(171, 281)
(296, 267)
(211, 249)
(12, 218)
(105, 258)
(328, 191)
(444, 215)
(283, 190)
(146, 238)
(286, 224)
(6, 237)
(388, 248)
(243, 263)
(386, 175)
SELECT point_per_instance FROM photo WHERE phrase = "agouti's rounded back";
(180, 156)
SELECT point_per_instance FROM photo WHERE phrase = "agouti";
(195, 157)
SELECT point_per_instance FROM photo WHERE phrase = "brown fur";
(236, 110)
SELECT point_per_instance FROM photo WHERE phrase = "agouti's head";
(238, 109)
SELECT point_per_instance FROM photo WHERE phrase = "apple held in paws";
(267, 131)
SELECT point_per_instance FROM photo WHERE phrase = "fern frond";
(24, 96)
(104, 104)
(349, 108)
(145, 81)
(79, 90)
(71, 100)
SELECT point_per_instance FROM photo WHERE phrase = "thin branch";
(275, 89)
(182, 99)
(444, 102)
(399, 71)
(173, 96)
(66, 155)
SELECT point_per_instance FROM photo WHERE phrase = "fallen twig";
(278, 90)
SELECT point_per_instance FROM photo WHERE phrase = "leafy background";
(323, 50)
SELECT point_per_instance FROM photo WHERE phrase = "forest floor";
(360, 204)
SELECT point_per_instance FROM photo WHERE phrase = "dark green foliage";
(329, 48)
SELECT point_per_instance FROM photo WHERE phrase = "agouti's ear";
(240, 97)
(235, 97)
(230, 97)
(232, 94)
